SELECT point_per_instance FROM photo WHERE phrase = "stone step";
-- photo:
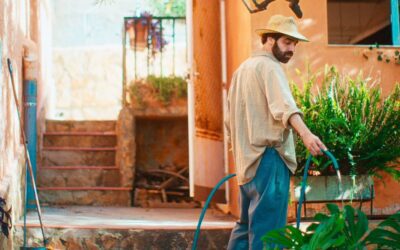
(77, 167)
(110, 239)
(79, 148)
(80, 126)
(75, 177)
(125, 228)
(79, 139)
(78, 158)
(85, 196)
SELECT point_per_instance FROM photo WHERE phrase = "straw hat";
(283, 25)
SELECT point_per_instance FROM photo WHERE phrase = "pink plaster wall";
(10, 146)
(12, 39)
(349, 59)
(238, 48)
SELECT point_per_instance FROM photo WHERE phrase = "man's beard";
(283, 57)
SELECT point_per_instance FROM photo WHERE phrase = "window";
(363, 22)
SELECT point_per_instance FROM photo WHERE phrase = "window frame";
(394, 20)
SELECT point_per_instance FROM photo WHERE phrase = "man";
(261, 115)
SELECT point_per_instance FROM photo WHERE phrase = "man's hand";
(313, 143)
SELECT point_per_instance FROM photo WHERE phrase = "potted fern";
(359, 126)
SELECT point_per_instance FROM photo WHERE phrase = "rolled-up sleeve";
(279, 97)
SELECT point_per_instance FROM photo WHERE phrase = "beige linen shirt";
(260, 104)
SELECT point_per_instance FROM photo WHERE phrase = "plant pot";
(325, 188)
(138, 32)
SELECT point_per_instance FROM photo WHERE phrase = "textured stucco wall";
(87, 83)
(237, 50)
(15, 26)
(87, 57)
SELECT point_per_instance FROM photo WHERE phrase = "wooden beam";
(369, 32)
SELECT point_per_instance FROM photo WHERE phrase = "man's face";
(283, 48)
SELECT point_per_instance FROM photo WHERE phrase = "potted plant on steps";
(359, 127)
(159, 96)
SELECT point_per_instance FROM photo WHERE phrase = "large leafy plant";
(347, 229)
(358, 125)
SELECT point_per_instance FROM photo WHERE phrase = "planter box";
(321, 188)
(146, 102)
(324, 189)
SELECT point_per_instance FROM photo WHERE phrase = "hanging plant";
(138, 30)
(145, 32)
(158, 42)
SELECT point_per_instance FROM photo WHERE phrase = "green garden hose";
(304, 182)
(203, 211)
(302, 193)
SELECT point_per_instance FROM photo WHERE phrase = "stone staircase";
(88, 227)
(77, 165)
(77, 174)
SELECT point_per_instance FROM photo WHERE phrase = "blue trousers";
(263, 203)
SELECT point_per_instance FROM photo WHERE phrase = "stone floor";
(77, 227)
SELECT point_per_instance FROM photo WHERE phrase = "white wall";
(87, 57)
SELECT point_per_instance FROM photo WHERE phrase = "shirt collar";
(264, 53)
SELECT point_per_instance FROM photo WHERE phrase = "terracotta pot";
(140, 28)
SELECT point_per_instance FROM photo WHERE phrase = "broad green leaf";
(333, 208)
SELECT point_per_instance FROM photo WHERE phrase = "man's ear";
(270, 41)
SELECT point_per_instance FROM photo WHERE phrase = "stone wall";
(126, 147)
(162, 149)
(161, 143)
(135, 239)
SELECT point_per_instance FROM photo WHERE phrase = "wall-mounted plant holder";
(382, 55)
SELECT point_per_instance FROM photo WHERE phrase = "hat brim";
(296, 35)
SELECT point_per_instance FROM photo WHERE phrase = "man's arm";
(312, 142)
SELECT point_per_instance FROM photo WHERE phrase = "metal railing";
(147, 36)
